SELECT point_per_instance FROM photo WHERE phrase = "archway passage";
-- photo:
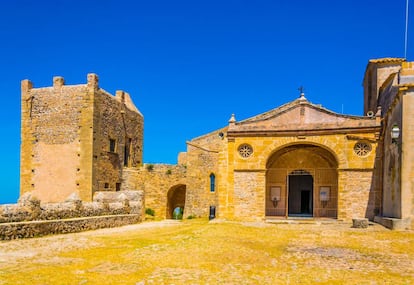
(175, 199)
(302, 181)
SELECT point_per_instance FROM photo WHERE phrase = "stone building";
(76, 139)
(297, 160)
(302, 160)
(389, 84)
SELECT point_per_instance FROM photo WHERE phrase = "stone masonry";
(296, 160)
(77, 139)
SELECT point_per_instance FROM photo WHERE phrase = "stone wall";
(356, 197)
(50, 139)
(19, 230)
(203, 159)
(66, 135)
(249, 195)
(37, 218)
(123, 124)
(156, 180)
(377, 72)
(392, 164)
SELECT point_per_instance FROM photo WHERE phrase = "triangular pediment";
(300, 115)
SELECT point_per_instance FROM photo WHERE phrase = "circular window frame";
(362, 148)
(245, 150)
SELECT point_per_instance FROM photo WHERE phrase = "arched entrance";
(302, 181)
(175, 199)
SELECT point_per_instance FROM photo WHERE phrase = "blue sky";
(189, 65)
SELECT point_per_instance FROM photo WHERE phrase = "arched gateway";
(302, 181)
(175, 199)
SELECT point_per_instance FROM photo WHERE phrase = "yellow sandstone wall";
(51, 143)
(242, 183)
(407, 163)
(156, 180)
(65, 136)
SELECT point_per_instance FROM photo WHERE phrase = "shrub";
(150, 212)
(150, 167)
(168, 172)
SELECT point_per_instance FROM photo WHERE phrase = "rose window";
(245, 150)
(362, 148)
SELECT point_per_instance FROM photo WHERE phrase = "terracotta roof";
(387, 60)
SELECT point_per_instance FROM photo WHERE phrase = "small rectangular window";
(106, 185)
(112, 144)
(118, 186)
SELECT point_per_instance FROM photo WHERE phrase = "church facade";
(298, 160)
(301, 160)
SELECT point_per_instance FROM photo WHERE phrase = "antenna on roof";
(406, 30)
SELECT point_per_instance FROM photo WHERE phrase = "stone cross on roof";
(302, 93)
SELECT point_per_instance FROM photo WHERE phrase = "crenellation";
(26, 86)
(58, 81)
(93, 81)
(120, 95)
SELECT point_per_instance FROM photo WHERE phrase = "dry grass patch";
(199, 252)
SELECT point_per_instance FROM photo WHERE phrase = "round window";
(362, 148)
(245, 150)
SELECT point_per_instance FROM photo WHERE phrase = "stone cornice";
(304, 132)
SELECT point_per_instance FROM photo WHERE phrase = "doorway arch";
(175, 199)
(302, 180)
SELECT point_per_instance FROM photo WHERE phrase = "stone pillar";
(86, 177)
(406, 142)
(229, 202)
(26, 149)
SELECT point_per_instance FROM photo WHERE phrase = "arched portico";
(175, 198)
(302, 180)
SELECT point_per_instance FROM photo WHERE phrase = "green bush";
(150, 212)
(150, 167)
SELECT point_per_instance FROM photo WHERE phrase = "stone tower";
(76, 139)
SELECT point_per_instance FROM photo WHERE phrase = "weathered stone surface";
(9, 231)
(77, 139)
(33, 210)
(361, 223)
(28, 218)
(158, 182)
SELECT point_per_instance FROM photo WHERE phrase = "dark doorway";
(300, 199)
(176, 202)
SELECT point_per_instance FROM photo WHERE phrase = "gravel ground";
(218, 252)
